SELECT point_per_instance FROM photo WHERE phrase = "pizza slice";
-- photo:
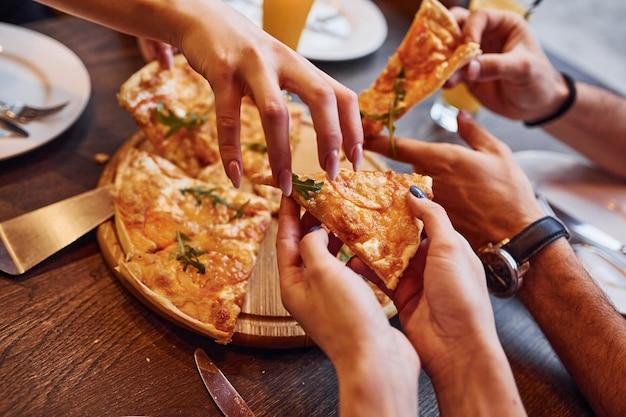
(368, 212)
(431, 51)
(190, 246)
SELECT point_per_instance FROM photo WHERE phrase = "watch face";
(501, 272)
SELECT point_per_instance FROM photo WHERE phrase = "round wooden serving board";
(263, 322)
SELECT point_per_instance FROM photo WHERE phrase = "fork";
(23, 113)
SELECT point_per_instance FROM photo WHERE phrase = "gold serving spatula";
(30, 238)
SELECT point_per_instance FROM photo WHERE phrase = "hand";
(238, 59)
(340, 312)
(442, 298)
(486, 194)
(513, 77)
(154, 50)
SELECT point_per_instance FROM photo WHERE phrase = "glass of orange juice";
(285, 19)
(450, 100)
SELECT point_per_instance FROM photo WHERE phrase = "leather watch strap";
(534, 238)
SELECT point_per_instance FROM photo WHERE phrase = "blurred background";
(590, 34)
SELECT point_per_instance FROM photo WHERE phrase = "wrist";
(481, 383)
(565, 99)
(378, 382)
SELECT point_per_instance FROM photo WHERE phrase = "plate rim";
(354, 10)
(42, 132)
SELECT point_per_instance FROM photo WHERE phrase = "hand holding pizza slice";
(431, 51)
(368, 212)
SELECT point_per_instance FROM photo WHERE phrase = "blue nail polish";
(313, 229)
(417, 192)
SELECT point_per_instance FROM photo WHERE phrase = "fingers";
(335, 115)
(288, 239)
(227, 112)
(435, 219)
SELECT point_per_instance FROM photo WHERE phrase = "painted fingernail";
(313, 229)
(331, 164)
(234, 173)
(417, 192)
(285, 181)
(357, 156)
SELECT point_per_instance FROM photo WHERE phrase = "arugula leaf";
(199, 192)
(305, 188)
(187, 255)
(395, 109)
(168, 118)
(255, 147)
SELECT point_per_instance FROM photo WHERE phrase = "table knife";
(225, 396)
(28, 239)
(12, 128)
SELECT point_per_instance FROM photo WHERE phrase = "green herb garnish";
(199, 193)
(395, 109)
(168, 118)
(305, 188)
(187, 255)
(255, 147)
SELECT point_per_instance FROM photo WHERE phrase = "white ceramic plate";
(40, 71)
(590, 195)
(356, 28)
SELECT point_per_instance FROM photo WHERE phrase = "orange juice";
(285, 19)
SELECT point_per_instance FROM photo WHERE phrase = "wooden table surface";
(73, 341)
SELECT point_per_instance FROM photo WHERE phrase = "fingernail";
(285, 182)
(313, 229)
(417, 192)
(357, 156)
(234, 173)
(331, 164)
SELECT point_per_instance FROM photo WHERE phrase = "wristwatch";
(506, 262)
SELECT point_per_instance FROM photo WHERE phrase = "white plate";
(40, 71)
(589, 195)
(358, 29)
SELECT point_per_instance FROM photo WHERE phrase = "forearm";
(377, 386)
(586, 332)
(595, 126)
(162, 20)
(481, 386)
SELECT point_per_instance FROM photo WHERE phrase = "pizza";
(368, 212)
(175, 109)
(431, 51)
(190, 244)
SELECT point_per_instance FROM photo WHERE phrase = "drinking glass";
(450, 100)
(285, 19)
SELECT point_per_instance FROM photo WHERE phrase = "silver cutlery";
(23, 113)
(11, 129)
(223, 393)
(28, 239)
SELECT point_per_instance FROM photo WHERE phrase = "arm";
(238, 59)
(592, 345)
(377, 368)
(488, 198)
(596, 127)
(514, 78)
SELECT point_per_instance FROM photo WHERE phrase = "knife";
(606, 245)
(225, 396)
(28, 239)
(12, 128)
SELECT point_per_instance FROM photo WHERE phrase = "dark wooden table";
(73, 341)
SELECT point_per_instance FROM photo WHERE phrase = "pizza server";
(30, 238)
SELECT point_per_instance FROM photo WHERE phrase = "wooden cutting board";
(263, 322)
